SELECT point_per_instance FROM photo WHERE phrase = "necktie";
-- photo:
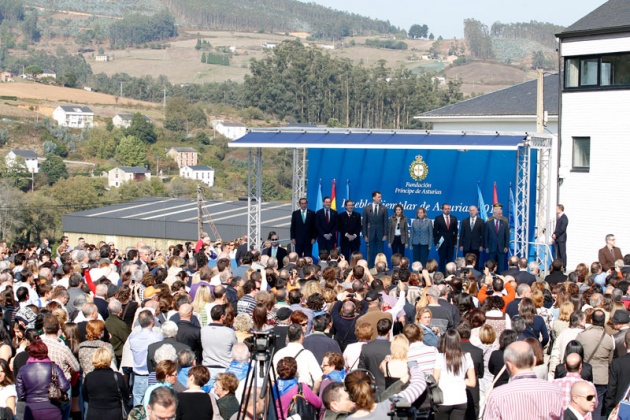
(273, 251)
(472, 223)
(327, 217)
(303, 216)
(496, 226)
(448, 222)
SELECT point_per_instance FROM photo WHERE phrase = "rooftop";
(26, 154)
(611, 17)
(200, 168)
(134, 169)
(79, 109)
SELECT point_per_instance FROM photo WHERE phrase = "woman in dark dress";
(33, 380)
(103, 388)
(194, 403)
(496, 363)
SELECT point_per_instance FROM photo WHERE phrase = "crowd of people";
(91, 332)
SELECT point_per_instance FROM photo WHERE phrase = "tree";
(198, 46)
(203, 57)
(131, 151)
(538, 60)
(141, 128)
(34, 70)
(54, 168)
(418, 31)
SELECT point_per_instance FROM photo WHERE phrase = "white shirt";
(308, 370)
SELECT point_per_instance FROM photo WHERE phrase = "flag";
(319, 205)
(482, 205)
(495, 196)
(347, 197)
(333, 196)
(512, 218)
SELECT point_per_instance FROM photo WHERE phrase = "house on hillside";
(47, 73)
(595, 105)
(200, 173)
(270, 45)
(117, 176)
(15, 156)
(104, 58)
(75, 116)
(184, 156)
(231, 130)
(124, 120)
(6, 76)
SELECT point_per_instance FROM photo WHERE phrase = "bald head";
(185, 311)
(573, 363)
(519, 357)
(347, 309)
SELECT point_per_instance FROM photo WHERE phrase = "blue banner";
(414, 178)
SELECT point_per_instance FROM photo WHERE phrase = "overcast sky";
(449, 21)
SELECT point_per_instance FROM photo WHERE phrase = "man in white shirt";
(308, 370)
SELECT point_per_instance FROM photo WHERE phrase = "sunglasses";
(587, 397)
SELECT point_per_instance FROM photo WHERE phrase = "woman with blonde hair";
(395, 366)
(103, 387)
(94, 334)
(363, 332)
(488, 342)
(242, 325)
(539, 301)
(203, 297)
(380, 258)
(564, 315)
(430, 334)
(421, 236)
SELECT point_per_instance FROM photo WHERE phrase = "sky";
(446, 18)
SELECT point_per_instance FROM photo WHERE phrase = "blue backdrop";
(442, 176)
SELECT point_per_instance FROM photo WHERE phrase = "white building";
(74, 116)
(124, 120)
(200, 173)
(230, 130)
(30, 160)
(594, 127)
(117, 176)
(104, 58)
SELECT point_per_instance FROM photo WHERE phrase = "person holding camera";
(495, 285)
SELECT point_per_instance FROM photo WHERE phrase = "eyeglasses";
(304, 324)
(274, 239)
(587, 397)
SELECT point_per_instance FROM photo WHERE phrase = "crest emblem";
(418, 169)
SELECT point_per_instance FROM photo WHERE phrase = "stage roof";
(377, 139)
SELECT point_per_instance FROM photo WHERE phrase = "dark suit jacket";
(496, 242)
(440, 230)
(101, 304)
(471, 238)
(586, 373)
(151, 365)
(555, 277)
(524, 277)
(303, 232)
(190, 334)
(561, 228)
(568, 415)
(319, 345)
(325, 228)
(372, 354)
(374, 225)
(348, 224)
(618, 381)
(607, 259)
(280, 254)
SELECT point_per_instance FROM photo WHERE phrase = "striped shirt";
(565, 385)
(424, 355)
(525, 397)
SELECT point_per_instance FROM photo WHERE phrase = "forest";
(137, 29)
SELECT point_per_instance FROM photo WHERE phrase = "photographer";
(345, 313)
(495, 285)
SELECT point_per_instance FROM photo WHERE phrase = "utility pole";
(164, 106)
(540, 105)
(121, 85)
(199, 212)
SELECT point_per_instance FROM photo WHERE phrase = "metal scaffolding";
(254, 197)
(299, 176)
(544, 209)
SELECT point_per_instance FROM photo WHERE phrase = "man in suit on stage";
(303, 232)
(445, 227)
(560, 234)
(497, 236)
(349, 226)
(374, 227)
(326, 225)
(275, 250)
(471, 236)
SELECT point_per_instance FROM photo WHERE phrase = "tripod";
(260, 366)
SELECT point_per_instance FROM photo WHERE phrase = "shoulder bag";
(436, 396)
(596, 347)
(300, 405)
(123, 406)
(56, 395)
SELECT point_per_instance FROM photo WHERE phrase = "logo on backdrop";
(418, 169)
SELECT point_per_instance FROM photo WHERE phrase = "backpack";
(299, 405)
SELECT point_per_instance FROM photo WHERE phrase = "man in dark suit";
(374, 227)
(609, 254)
(476, 354)
(275, 250)
(326, 225)
(618, 379)
(318, 342)
(512, 266)
(445, 228)
(349, 227)
(523, 276)
(373, 353)
(583, 398)
(560, 234)
(187, 333)
(556, 275)
(471, 236)
(303, 232)
(497, 236)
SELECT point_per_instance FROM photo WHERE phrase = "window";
(604, 71)
(581, 154)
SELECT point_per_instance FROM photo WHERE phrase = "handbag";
(123, 406)
(299, 405)
(436, 396)
(56, 395)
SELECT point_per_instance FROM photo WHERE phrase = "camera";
(263, 341)
(351, 295)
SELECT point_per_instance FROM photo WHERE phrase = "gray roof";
(26, 154)
(183, 149)
(200, 168)
(514, 100)
(176, 219)
(77, 109)
(611, 17)
(129, 117)
(134, 169)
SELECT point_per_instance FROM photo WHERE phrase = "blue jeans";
(601, 394)
(140, 385)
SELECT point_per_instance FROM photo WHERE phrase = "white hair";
(165, 352)
(169, 329)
